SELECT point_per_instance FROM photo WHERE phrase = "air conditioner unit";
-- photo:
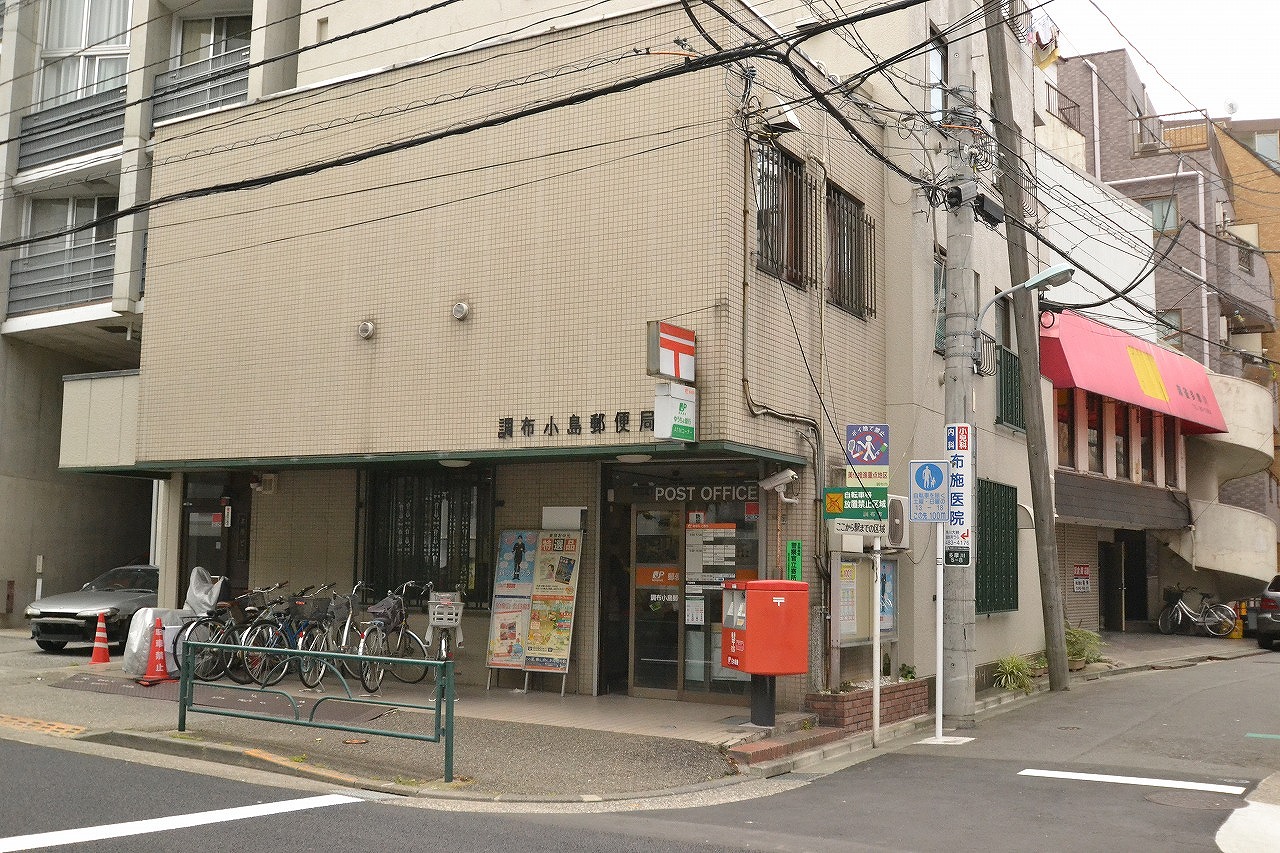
(899, 523)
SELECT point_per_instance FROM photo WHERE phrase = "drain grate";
(42, 726)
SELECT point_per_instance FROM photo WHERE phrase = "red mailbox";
(766, 627)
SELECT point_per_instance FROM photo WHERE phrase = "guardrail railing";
(441, 709)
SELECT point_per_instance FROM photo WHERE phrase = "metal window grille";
(940, 304)
(1009, 409)
(1060, 105)
(1245, 259)
(779, 217)
(850, 254)
(996, 574)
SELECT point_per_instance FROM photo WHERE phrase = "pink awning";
(1076, 352)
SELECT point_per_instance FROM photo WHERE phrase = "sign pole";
(876, 669)
(937, 606)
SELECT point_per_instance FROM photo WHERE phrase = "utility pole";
(959, 619)
(1027, 328)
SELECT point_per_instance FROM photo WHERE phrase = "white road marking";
(161, 824)
(1136, 780)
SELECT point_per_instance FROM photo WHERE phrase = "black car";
(1269, 614)
(72, 617)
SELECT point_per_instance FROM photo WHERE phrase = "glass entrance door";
(656, 600)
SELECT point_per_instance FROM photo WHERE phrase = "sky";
(1211, 51)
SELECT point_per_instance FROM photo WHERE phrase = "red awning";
(1076, 352)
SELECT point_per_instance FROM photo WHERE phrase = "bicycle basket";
(245, 607)
(339, 608)
(1171, 595)
(309, 607)
(390, 610)
(445, 614)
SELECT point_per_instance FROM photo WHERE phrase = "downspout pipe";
(1097, 130)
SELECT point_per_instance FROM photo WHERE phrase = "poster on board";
(555, 591)
(512, 590)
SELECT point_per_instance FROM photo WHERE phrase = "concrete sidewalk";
(509, 745)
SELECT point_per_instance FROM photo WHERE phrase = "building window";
(939, 301)
(205, 38)
(938, 75)
(1267, 145)
(996, 572)
(1065, 403)
(50, 215)
(850, 258)
(86, 49)
(1121, 442)
(1164, 213)
(1146, 445)
(779, 214)
(1169, 328)
(1093, 427)
(1244, 259)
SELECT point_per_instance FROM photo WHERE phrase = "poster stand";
(535, 588)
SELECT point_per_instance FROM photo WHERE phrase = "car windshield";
(126, 577)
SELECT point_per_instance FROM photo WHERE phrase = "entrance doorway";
(215, 524)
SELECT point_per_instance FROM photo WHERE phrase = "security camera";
(779, 480)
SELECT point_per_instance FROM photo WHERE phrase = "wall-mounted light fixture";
(633, 458)
(455, 463)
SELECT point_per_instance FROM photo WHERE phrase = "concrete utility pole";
(1027, 327)
(959, 618)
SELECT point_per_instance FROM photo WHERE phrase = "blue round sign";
(929, 477)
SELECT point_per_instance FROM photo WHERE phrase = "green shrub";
(1014, 673)
(1083, 644)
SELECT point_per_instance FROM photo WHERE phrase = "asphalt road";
(1154, 737)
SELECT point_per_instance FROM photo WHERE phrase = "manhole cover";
(1196, 800)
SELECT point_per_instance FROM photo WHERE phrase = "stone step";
(783, 744)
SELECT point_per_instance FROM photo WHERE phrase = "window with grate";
(996, 572)
(939, 301)
(1244, 259)
(779, 214)
(850, 258)
(430, 528)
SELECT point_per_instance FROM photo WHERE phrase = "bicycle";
(339, 631)
(444, 617)
(1217, 619)
(284, 625)
(222, 625)
(389, 636)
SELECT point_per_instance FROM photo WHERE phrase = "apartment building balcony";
(50, 279)
(1244, 449)
(219, 81)
(1170, 133)
(82, 126)
(1237, 545)
(99, 421)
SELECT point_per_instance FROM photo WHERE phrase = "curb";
(259, 759)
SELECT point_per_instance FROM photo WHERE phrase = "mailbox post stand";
(764, 700)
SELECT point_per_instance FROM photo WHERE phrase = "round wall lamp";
(455, 463)
(633, 458)
(461, 310)
(366, 329)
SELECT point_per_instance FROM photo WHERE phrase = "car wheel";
(1265, 642)
(51, 645)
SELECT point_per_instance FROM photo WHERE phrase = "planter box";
(899, 701)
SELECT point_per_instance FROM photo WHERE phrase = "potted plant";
(1039, 665)
(1013, 672)
(1083, 647)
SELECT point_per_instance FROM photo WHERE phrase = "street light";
(1041, 281)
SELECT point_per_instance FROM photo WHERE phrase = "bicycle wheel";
(1166, 621)
(264, 661)
(206, 664)
(349, 644)
(1219, 620)
(374, 644)
(234, 661)
(443, 650)
(410, 647)
(311, 670)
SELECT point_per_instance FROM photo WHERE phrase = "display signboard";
(927, 501)
(675, 412)
(958, 534)
(534, 594)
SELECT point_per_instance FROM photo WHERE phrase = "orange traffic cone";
(101, 654)
(157, 670)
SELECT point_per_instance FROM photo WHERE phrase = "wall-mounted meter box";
(766, 627)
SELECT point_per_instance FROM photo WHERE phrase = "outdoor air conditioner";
(899, 523)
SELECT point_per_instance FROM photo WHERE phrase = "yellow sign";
(835, 503)
(1148, 373)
